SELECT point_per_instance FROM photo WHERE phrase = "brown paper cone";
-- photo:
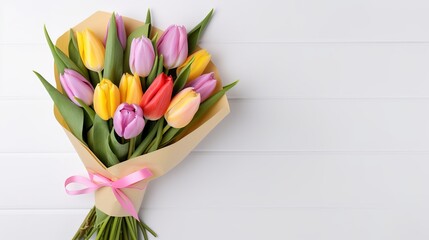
(160, 161)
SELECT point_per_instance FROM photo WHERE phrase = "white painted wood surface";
(328, 136)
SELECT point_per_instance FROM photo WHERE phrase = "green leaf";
(180, 81)
(195, 34)
(209, 102)
(114, 56)
(101, 216)
(87, 125)
(158, 138)
(88, 110)
(61, 59)
(169, 135)
(93, 78)
(154, 40)
(72, 114)
(75, 55)
(88, 118)
(172, 133)
(69, 63)
(146, 141)
(152, 75)
(148, 21)
(160, 65)
(148, 17)
(58, 62)
(140, 31)
(100, 142)
(120, 150)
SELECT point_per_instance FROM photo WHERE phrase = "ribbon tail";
(125, 203)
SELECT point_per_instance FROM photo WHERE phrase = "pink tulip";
(142, 56)
(204, 85)
(75, 85)
(173, 46)
(120, 29)
(128, 120)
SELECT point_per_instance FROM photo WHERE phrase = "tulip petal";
(128, 120)
(173, 45)
(204, 84)
(182, 108)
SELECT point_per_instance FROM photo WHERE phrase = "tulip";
(142, 56)
(157, 97)
(75, 85)
(183, 108)
(130, 89)
(106, 99)
(201, 60)
(91, 50)
(204, 85)
(173, 46)
(120, 30)
(128, 120)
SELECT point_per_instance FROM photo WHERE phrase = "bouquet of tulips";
(134, 101)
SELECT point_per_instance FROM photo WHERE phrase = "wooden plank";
(237, 20)
(237, 223)
(270, 70)
(238, 180)
(257, 125)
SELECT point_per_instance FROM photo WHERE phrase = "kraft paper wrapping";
(160, 161)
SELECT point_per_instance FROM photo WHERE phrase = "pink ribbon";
(96, 181)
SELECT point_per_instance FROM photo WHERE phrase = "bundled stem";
(86, 226)
(113, 228)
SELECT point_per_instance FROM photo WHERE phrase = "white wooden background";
(328, 136)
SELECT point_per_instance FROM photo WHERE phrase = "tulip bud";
(106, 99)
(201, 60)
(142, 56)
(130, 89)
(91, 50)
(128, 120)
(173, 46)
(120, 29)
(75, 85)
(204, 85)
(157, 97)
(182, 108)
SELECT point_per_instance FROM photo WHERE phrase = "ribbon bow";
(96, 181)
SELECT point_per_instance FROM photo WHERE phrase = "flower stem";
(149, 229)
(86, 226)
(132, 147)
(100, 76)
(165, 129)
(110, 123)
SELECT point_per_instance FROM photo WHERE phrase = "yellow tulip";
(91, 50)
(106, 99)
(201, 60)
(130, 89)
(182, 108)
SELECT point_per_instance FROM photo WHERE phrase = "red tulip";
(157, 97)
